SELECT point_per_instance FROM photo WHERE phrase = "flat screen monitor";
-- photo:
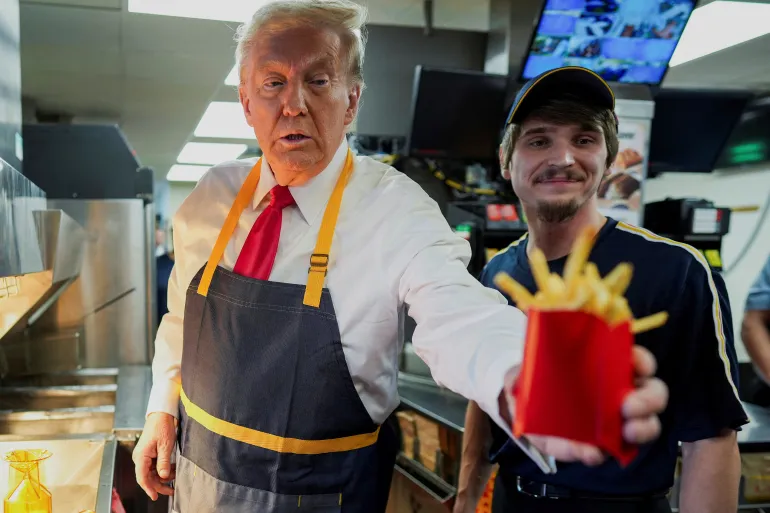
(691, 127)
(749, 143)
(628, 41)
(457, 114)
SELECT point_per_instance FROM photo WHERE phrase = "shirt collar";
(312, 196)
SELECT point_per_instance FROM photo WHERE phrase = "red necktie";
(258, 254)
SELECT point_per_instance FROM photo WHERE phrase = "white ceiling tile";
(148, 33)
(100, 4)
(60, 26)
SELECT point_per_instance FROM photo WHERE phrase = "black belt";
(549, 491)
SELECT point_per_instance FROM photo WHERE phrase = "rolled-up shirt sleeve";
(759, 293)
(167, 362)
(467, 334)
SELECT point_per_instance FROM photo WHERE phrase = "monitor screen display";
(457, 114)
(691, 127)
(628, 41)
(749, 143)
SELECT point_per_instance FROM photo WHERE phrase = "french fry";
(619, 278)
(557, 290)
(592, 272)
(515, 291)
(579, 255)
(649, 323)
(579, 295)
(539, 266)
(618, 311)
(582, 289)
(601, 297)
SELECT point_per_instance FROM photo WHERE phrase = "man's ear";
(245, 103)
(354, 99)
(503, 171)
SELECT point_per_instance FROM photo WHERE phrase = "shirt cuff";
(164, 398)
(495, 382)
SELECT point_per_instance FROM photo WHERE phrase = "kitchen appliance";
(694, 221)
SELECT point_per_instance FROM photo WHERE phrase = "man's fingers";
(567, 450)
(164, 458)
(644, 362)
(650, 399)
(144, 477)
(640, 431)
(165, 490)
(589, 455)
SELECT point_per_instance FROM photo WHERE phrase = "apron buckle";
(319, 262)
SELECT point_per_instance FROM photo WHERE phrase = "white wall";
(728, 189)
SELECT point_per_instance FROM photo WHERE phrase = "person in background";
(279, 355)
(163, 265)
(160, 236)
(560, 140)
(755, 333)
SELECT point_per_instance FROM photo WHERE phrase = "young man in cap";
(560, 139)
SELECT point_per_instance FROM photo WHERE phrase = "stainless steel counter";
(441, 405)
(134, 383)
(448, 409)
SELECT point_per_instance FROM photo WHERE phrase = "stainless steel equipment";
(77, 287)
(20, 251)
(108, 301)
(109, 312)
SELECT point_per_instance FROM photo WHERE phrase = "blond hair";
(345, 17)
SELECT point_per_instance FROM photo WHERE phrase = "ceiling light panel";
(224, 120)
(232, 77)
(221, 10)
(720, 25)
(186, 173)
(210, 153)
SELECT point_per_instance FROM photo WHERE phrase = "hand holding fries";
(581, 289)
(578, 372)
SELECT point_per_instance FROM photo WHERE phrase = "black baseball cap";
(573, 80)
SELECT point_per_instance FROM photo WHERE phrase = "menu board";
(628, 41)
(620, 193)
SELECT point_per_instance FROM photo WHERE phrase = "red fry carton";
(577, 370)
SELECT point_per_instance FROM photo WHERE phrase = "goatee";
(552, 212)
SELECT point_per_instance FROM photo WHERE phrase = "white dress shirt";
(392, 247)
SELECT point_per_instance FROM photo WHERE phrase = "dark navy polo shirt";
(694, 349)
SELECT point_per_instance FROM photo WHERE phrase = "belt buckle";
(543, 490)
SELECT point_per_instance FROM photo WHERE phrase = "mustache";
(553, 172)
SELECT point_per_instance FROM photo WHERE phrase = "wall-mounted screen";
(691, 127)
(457, 114)
(628, 41)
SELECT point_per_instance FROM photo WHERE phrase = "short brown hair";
(566, 111)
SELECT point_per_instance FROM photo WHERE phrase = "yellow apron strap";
(319, 260)
(244, 197)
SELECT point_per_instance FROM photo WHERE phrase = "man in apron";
(279, 355)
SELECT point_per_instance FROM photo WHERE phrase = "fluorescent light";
(221, 10)
(720, 25)
(185, 173)
(232, 78)
(209, 153)
(224, 120)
